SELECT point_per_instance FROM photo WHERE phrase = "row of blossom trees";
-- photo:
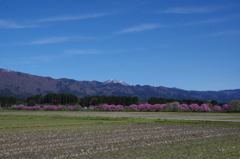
(166, 107)
(175, 106)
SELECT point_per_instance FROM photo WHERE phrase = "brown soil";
(152, 115)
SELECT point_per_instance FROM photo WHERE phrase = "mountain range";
(23, 85)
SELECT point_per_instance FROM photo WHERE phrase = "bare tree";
(235, 104)
(174, 106)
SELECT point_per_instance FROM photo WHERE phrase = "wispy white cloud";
(16, 62)
(47, 58)
(31, 59)
(13, 25)
(139, 28)
(189, 10)
(92, 51)
(224, 33)
(7, 24)
(116, 51)
(214, 20)
(82, 52)
(50, 58)
(74, 17)
(86, 38)
(49, 40)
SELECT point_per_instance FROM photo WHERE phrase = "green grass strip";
(109, 119)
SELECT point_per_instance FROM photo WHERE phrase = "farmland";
(68, 134)
(149, 115)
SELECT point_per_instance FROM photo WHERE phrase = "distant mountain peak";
(115, 81)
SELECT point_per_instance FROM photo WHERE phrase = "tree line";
(7, 101)
(116, 100)
(161, 100)
(53, 98)
(69, 99)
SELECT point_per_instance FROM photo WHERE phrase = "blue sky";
(188, 44)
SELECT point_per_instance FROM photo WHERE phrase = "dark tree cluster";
(161, 100)
(116, 100)
(64, 99)
(7, 101)
(53, 98)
